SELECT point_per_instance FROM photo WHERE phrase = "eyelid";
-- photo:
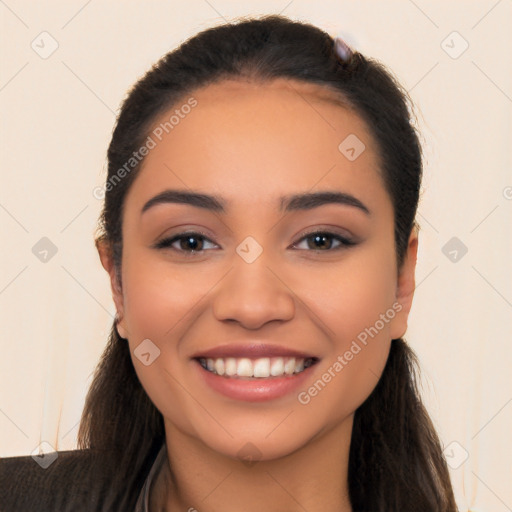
(167, 241)
(326, 231)
(345, 241)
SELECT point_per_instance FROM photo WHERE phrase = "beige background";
(56, 117)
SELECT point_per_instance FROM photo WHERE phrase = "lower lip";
(255, 389)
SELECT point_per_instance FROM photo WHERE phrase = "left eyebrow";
(295, 202)
(308, 201)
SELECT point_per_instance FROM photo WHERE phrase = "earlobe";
(107, 261)
(119, 324)
(406, 284)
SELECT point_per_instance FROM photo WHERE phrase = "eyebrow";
(295, 202)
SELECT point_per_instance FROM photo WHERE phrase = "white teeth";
(219, 366)
(289, 366)
(277, 366)
(230, 366)
(244, 368)
(258, 368)
(261, 367)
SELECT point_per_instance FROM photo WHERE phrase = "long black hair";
(396, 461)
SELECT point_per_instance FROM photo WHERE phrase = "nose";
(253, 294)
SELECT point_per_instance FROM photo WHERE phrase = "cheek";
(159, 303)
(355, 306)
(364, 296)
(351, 295)
(156, 297)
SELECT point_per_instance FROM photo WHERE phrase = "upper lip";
(253, 350)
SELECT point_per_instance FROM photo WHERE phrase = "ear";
(406, 284)
(107, 260)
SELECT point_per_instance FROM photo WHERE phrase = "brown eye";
(184, 242)
(323, 241)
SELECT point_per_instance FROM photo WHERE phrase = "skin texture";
(250, 144)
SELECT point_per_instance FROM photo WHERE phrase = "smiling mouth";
(260, 368)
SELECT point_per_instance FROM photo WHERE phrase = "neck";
(313, 478)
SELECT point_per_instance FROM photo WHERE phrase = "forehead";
(250, 141)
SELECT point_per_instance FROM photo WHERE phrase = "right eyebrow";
(208, 202)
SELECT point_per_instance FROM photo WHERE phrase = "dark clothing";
(76, 481)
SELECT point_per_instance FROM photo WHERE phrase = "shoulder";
(64, 480)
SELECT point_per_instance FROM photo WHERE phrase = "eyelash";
(167, 242)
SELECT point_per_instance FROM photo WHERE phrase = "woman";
(259, 234)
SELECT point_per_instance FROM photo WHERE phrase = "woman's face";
(259, 275)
